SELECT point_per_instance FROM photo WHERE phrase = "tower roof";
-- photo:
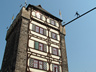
(39, 7)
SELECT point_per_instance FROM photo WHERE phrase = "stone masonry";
(15, 52)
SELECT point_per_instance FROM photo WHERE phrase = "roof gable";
(39, 7)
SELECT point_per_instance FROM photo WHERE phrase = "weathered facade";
(35, 43)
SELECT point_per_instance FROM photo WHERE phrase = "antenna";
(12, 18)
(25, 3)
(79, 16)
(60, 14)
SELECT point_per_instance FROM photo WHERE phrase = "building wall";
(33, 36)
(20, 52)
(45, 39)
(15, 52)
(23, 40)
(64, 54)
(10, 55)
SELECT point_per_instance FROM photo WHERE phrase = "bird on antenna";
(77, 14)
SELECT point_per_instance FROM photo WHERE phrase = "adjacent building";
(35, 43)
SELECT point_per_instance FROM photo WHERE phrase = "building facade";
(35, 43)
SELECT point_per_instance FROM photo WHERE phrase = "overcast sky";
(80, 34)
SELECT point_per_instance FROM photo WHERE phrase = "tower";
(35, 43)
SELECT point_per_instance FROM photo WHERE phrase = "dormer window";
(53, 22)
(33, 13)
(38, 15)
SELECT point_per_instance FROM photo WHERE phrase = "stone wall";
(22, 46)
(11, 49)
(23, 39)
(63, 53)
(15, 55)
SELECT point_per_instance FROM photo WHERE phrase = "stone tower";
(35, 43)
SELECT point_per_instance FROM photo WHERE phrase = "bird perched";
(77, 14)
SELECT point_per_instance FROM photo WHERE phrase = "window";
(53, 22)
(55, 51)
(45, 65)
(33, 13)
(36, 45)
(35, 64)
(41, 31)
(55, 68)
(40, 46)
(48, 20)
(45, 48)
(37, 29)
(54, 35)
(33, 27)
(40, 65)
(41, 17)
(38, 15)
(44, 32)
(31, 62)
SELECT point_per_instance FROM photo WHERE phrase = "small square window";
(48, 20)
(55, 51)
(33, 13)
(41, 31)
(41, 46)
(41, 17)
(37, 29)
(35, 64)
(31, 62)
(38, 15)
(40, 65)
(36, 45)
(55, 23)
(45, 48)
(52, 22)
(54, 35)
(55, 68)
(33, 27)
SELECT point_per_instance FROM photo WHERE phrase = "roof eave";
(44, 12)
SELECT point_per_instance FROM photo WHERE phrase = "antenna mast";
(25, 3)
(80, 16)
